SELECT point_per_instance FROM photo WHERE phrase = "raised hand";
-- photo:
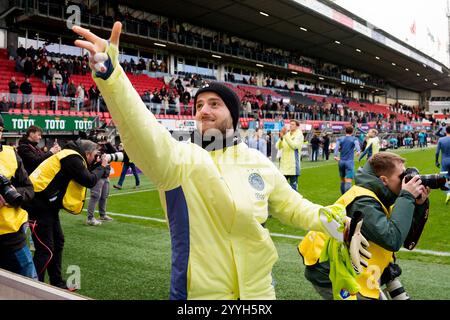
(97, 46)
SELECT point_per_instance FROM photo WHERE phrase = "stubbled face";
(212, 113)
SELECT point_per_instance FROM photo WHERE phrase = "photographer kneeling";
(15, 190)
(392, 206)
(60, 182)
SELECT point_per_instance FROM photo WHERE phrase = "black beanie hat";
(228, 96)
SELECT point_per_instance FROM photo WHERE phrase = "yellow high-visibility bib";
(11, 219)
(44, 174)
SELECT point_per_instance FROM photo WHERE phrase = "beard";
(224, 127)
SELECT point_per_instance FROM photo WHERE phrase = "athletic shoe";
(93, 222)
(64, 286)
(137, 187)
(117, 187)
(106, 218)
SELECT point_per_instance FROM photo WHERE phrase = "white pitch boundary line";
(422, 251)
(280, 235)
(131, 192)
(128, 192)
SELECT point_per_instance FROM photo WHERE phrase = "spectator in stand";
(51, 71)
(186, 96)
(57, 77)
(71, 92)
(44, 72)
(27, 89)
(80, 96)
(53, 92)
(21, 52)
(19, 64)
(4, 104)
(31, 52)
(84, 68)
(93, 97)
(13, 91)
(65, 82)
(28, 67)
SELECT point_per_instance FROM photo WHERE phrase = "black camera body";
(433, 181)
(8, 193)
(394, 288)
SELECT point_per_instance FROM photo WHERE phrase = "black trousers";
(48, 240)
(326, 153)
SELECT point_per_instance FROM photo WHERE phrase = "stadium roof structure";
(314, 29)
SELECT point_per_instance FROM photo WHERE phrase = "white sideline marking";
(132, 216)
(129, 192)
(280, 235)
(422, 251)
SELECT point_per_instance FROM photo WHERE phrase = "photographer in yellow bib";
(60, 182)
(15, 190)
(391, 209)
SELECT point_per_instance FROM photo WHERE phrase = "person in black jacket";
(27, 89)
(15, 256)
(13, 91)
(44, 208)
(315, 143)
(326, 147)
(31, 155)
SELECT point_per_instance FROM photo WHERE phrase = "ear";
(384, 179)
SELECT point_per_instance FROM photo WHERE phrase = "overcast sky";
(398, 16)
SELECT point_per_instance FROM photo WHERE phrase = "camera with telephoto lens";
(114, 157)
(433, 181)
(394, 288)
(8, 192)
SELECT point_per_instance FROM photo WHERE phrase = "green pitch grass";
(129, 258)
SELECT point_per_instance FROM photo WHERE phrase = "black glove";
(438, 164)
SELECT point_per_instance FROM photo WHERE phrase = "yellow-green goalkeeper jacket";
(291, 150)
(214, 201)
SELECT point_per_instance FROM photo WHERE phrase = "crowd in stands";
(172, 30)
(55, 72)
(150, 65)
